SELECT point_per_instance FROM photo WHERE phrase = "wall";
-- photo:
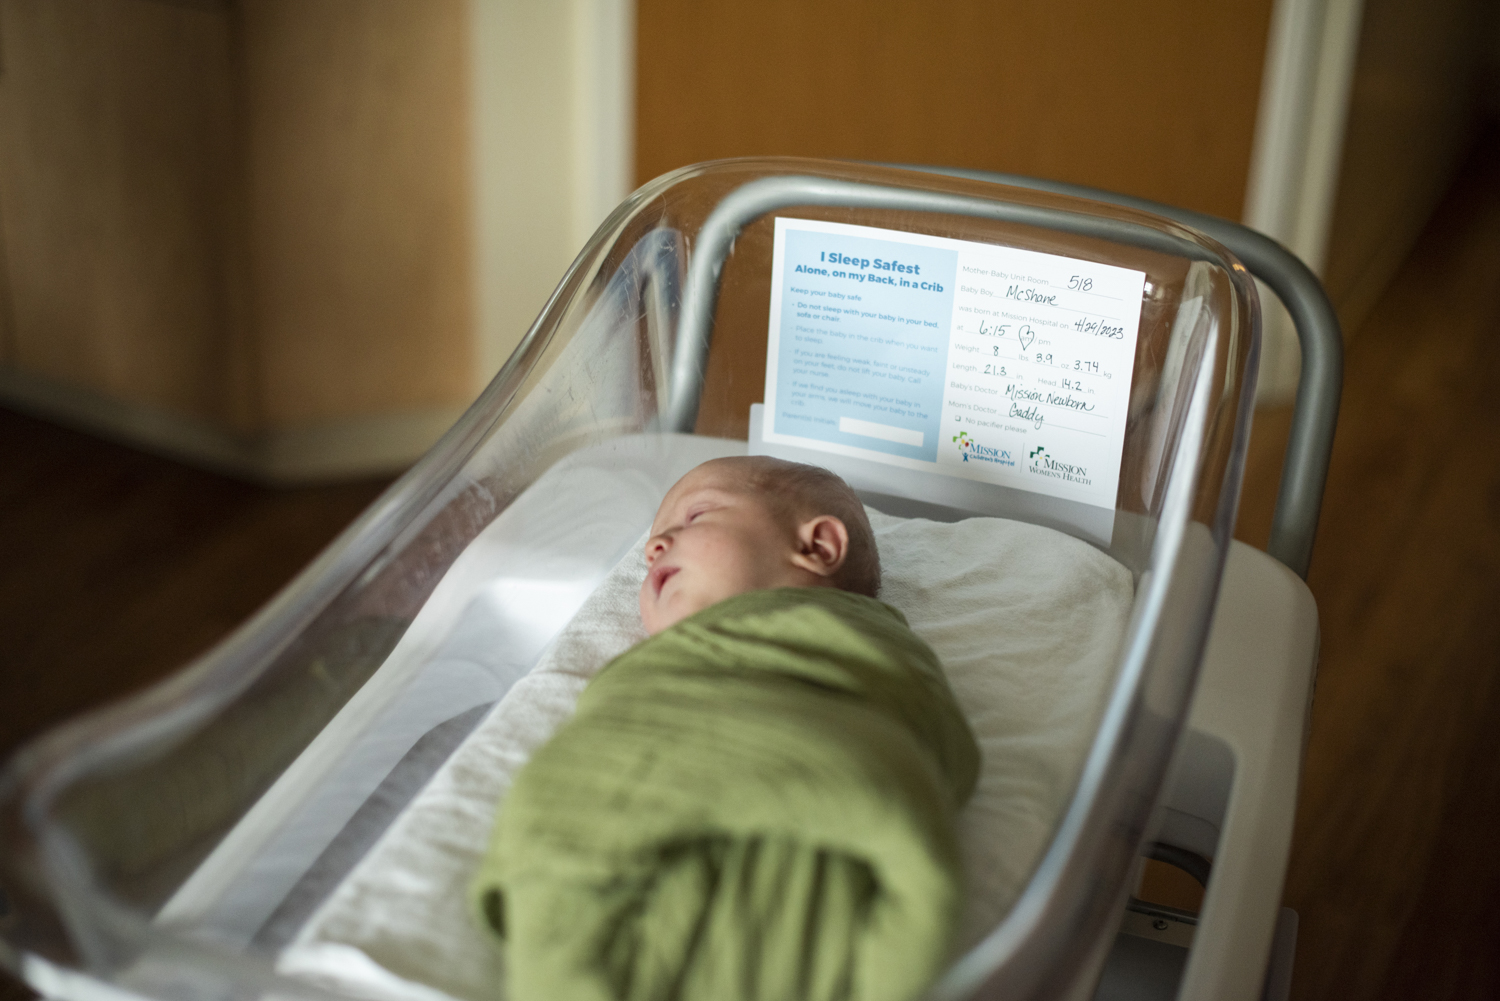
(1157, 100)
(239, 233)
(554, 107)
(1414, 111)
(293, 238)
(356, 119)
(1171, 100)
(115, 177)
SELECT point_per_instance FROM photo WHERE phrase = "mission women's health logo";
(1045, 465)
(971, 449)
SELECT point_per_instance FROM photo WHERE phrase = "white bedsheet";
(1026, 620)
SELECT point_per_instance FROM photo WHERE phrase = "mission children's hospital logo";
(971, 449)
(1045, 465)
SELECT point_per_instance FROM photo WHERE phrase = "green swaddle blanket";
(757, 803)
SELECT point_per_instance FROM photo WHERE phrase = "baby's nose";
(655, 546)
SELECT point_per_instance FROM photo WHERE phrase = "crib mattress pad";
(1026, 621)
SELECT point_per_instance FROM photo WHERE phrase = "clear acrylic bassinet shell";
(660, 326)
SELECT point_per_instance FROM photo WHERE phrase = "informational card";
(991, 363)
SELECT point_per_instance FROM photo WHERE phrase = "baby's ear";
(822, 545)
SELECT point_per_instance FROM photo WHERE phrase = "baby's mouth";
(659, 577)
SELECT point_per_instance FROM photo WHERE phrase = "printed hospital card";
(991, 363)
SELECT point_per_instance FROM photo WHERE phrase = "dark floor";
(117, 567)
(1396, 860)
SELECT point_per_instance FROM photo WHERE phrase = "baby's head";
(744, 524)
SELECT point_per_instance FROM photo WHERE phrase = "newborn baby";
(748, 524)
(757, 802)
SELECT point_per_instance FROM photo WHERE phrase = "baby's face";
(712, 539)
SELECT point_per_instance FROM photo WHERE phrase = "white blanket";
(1026, 620)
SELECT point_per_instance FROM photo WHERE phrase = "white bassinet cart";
(173, 846)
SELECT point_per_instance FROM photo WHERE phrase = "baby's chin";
(660, 612)
(658, 619)
(655, 617)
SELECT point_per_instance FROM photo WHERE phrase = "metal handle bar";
(751, 201)
(1306, 467)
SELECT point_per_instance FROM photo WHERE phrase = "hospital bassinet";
(168, 847)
